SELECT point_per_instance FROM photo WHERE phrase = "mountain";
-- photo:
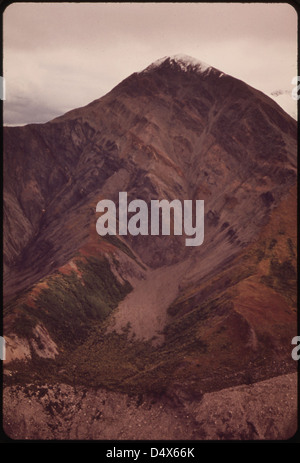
(147, 316)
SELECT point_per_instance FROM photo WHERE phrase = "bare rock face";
(148, 315)
(16, 348)
(19, 348)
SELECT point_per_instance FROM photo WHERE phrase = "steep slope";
(164, 133)
(147, 314)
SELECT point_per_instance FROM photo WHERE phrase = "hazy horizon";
(62, 56)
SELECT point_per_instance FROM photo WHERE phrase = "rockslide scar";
(160, 218)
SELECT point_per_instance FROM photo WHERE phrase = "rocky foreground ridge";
(264, 410)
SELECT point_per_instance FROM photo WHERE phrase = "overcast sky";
(61, 56)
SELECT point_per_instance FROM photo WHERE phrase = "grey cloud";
(84, 23)
(66, 55)
(22, 111)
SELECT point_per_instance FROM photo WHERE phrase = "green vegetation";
(72, 303)
(117, 361)
(115, 241)
(198, 312)
(24, 323)
(74, 309)
(110, 360)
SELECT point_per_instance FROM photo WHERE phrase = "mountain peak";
(185, 62)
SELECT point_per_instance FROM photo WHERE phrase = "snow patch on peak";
(185, 62)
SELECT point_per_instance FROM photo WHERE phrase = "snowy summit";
(185, 62)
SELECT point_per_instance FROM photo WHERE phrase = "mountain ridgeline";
(146, 314)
